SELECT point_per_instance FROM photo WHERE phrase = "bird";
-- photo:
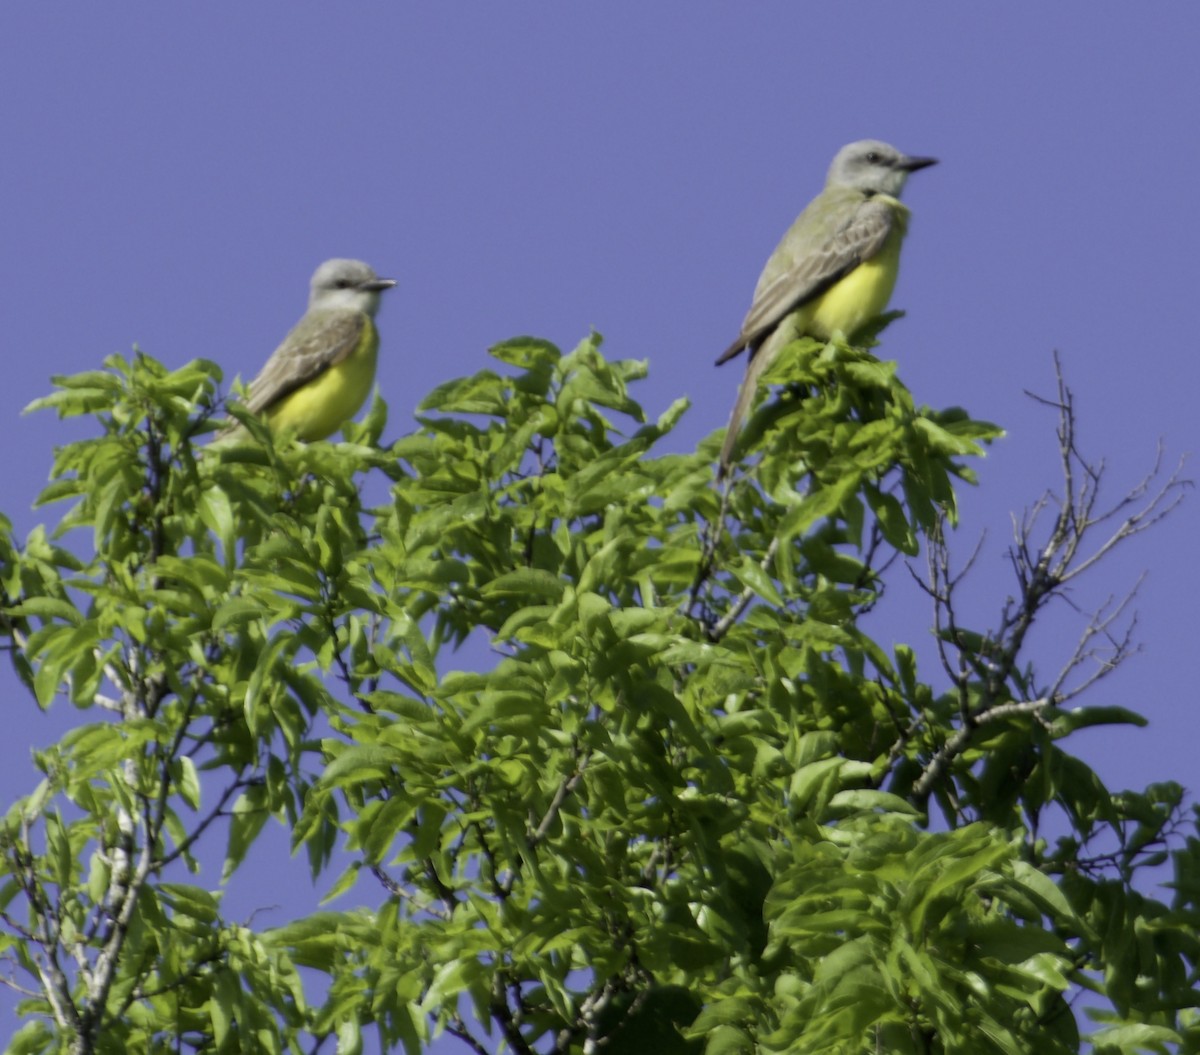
(320, 375)
(834, 269)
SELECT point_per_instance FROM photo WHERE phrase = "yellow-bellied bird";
(321, 374)
(833, 271)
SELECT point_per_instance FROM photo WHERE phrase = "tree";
(673, 798)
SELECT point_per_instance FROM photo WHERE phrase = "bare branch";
(708, 552)
(983, 668)
(398, 891)
(561, 794)
(457, 1027)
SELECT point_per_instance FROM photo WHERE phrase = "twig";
(721, 628)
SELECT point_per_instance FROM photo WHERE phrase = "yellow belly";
(848, 305)
(323, 405)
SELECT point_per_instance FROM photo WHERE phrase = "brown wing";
(320, 340)
(858, 239)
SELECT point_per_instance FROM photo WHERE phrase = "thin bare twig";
(984, 668)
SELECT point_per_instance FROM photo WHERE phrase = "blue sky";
(170, 177)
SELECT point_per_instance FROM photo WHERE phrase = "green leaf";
(248, 817)
(748, 572)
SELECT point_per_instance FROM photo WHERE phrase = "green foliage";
(601, 752)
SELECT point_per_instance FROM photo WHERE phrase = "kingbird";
(319, 377)
(833, 271)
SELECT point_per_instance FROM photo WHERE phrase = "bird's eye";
(342, 283)
(872, 156)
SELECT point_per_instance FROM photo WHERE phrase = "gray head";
(347, 285)
(873, 167)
